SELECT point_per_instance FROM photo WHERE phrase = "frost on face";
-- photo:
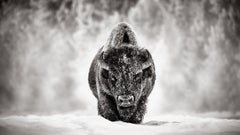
(125, 76)
(125, 70)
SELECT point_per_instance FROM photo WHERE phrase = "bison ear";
(147, 72)
(146, 58)
(104, 73)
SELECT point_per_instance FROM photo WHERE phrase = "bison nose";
(125, 100)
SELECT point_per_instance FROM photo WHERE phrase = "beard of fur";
(126, 113)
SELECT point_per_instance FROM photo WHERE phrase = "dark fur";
(119, 68)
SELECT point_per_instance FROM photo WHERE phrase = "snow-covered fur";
(122, 68)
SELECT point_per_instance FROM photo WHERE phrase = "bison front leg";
(107, 107)
(141, 109)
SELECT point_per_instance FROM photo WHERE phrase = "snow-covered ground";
(73, 124)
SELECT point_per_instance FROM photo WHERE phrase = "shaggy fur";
(121, 67)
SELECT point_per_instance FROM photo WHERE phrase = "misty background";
(46, 48)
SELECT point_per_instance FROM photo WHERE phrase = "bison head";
(124, 72)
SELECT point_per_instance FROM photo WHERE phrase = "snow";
(75, 124)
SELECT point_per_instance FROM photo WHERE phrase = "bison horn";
(102, 63)
(147, 59)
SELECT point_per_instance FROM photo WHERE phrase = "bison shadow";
(158, 123)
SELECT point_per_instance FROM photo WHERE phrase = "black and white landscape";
(46, 48)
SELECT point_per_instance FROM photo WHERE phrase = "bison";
(122, 76)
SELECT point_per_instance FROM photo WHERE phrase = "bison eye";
(147, 72)
(113, 79)
(105, 73)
